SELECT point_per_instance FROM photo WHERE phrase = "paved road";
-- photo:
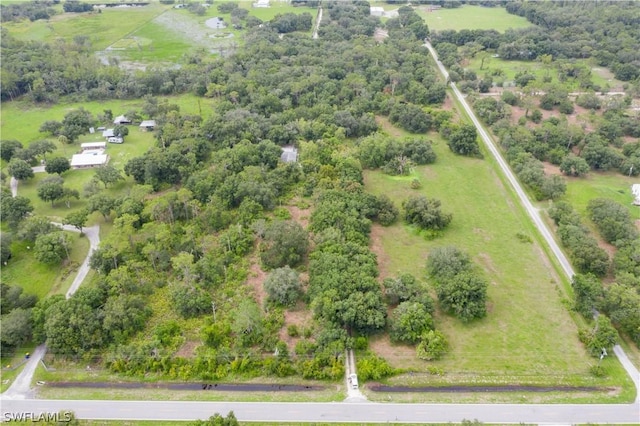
(531, 210)
(21, 386)
(333, 412)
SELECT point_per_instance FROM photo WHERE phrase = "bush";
(292, 330)
(425, 213)
(432, 346)
(190, 301)
(372, 367)
(409, 321)
(283, 286)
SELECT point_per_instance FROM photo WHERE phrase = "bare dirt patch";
(379, 35)
(389, 128)
(301, 318)
(447, 105)
(398, 356)
(299, 215)
(255, 280)
(376, 247)
(551, 169)
(188, 349)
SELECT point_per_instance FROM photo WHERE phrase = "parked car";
(115, 139)
(353, 381)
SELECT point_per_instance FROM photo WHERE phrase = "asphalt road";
(524, 200)
(332, 412)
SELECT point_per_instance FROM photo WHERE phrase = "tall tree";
(51, 189)
(108, 175)
(57, 165)
(20, 169)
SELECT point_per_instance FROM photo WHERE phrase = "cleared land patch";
(471, 18)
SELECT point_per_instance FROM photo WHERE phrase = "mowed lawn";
(41, 279)
(471, 18)
(21, 120)
(528, 330)
(611, 185)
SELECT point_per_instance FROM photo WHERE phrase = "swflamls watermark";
(26, 416)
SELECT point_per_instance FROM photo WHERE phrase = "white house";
(108, 133)
(635, 190)
(261, 3)
(90, 158)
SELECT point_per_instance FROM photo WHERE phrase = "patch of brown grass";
(188, 349)
(256, 279)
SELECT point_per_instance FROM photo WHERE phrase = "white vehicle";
(353, 381)
(115, 139)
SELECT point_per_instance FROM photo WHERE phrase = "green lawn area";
(103, 28)
(471, 18)
(152, 42)
(21, 120)
(611, 185)
(42, 279)
(511, 68)
(528, 330)
(277, 8)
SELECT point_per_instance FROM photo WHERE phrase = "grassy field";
(21, 120)
(43, 280)
(471, 18)
(103, 28)
(513, 340)
(509, 69)
(611, 185)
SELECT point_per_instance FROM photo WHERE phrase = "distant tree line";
(32, 10)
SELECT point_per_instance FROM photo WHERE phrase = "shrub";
(433, 346)
(283, 286)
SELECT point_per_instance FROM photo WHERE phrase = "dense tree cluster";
(583, 248)
(461, 290)
(33, 10)
(16, 323)
(342, 269)
(218, 180)
(619, 301)
(76, 6)
(393, 156)
(564, 30)
(613, 221)
(425, 213)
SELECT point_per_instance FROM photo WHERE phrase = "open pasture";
(528, 330)
(470, 17)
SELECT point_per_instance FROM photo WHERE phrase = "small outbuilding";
(89, 146)
(108, 133)
(289, 154)
(261, 3)
(148, 125)
(121, 119)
